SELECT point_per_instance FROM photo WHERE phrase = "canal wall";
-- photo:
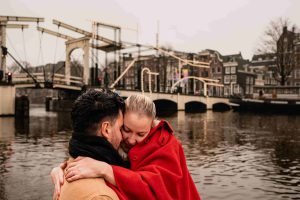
(58, 105)
(7, 100)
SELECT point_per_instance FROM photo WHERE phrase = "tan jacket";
(87, 189)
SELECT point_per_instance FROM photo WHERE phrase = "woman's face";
(135, 128)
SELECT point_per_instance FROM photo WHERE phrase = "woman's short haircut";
(141, 104)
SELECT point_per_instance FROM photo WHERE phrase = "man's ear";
(105, 129)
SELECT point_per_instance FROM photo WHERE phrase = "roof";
(232, 58)
(264, 57)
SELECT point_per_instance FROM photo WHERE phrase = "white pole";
(205, 89)
(142, 78)
(2, 43)
(149, 79)
(123, 73)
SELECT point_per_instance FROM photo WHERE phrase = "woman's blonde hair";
(141, 104)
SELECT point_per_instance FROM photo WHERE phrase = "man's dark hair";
(93, 107)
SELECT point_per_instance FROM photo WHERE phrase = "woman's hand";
(85, 167)
(57, 175)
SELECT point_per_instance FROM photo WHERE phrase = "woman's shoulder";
(162, 125)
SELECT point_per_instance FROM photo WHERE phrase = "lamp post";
(149, 78)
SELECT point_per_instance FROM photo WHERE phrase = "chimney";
(284, 30)
(293, 29)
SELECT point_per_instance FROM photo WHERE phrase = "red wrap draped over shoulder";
(158, 169)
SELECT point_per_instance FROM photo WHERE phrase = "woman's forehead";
(137, 122)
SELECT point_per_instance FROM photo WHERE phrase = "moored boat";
(276, 99)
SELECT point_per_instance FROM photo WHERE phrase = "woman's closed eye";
(141, 134)
(126, 130)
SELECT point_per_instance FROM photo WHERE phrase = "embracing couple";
(103, 124)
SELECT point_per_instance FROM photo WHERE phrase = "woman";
(158, 167)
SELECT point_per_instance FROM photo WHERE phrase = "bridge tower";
(84, 44)
(4, 25)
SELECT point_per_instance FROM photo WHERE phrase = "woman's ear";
(105, 129)
(154, 123)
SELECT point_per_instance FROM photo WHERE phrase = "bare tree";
(76, 68)
(15, 68)
(279, 41)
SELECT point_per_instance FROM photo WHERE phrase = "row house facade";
(289, 44)
(215, 71)
(228, 70)
(265, 65)
(237, 81)
(170, 71)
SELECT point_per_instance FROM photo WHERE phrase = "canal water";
(231, 156)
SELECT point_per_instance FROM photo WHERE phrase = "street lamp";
(149, 78)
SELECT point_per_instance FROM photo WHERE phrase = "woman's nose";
(131, 140)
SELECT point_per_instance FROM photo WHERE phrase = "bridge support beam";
(180, 102)
(7, 100)
(2, 43)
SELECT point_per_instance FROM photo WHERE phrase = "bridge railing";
(61, 79)
(58, 80)
(25, 78)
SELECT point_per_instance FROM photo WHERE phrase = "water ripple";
(230, 156)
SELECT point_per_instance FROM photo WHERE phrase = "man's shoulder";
(87, 189)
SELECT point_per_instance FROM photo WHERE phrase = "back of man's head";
(92, 107)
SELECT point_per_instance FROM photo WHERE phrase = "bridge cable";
(24, 69)
(11, 44)
(41, 54)
(54, 59)
(24, 49)
(60, 58)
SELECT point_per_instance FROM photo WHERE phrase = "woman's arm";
(85, 167)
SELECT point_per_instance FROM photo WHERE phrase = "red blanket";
(158, 169)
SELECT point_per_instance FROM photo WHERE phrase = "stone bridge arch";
(71, 45)
(165, 107)
(221, 106)
(195, 107)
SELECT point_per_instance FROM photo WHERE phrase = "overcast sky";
(228, 26)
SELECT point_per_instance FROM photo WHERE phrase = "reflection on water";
(230, 155)
(242, 156)
(28, 150)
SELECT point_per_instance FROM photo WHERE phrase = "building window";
(233, 78)
(227, 79)
(227, 70)
(297, 73)
(227, 91)
(236, 89)
(247, 90)
(204, 74)
(251, 90)
(218, 69)
(233, 70)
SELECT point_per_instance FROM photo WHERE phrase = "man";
(97, 118)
